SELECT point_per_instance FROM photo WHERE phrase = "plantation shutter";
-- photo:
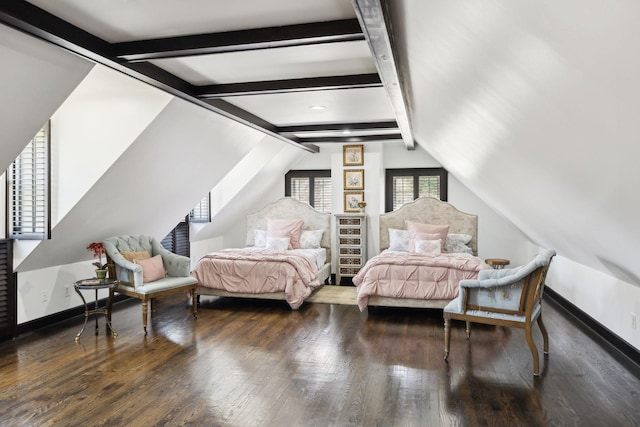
(402, 190)
(406, 185)
(429, 186)
(322, 194)
(300, 188)
(310, 186)
(8, 298)
(177, 241)
(28, 190)
(202, 211)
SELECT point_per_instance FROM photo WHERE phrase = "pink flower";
(98, 249)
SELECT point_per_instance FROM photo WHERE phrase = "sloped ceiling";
(533, 106)
(27, 63)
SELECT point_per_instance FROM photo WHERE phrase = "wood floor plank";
(247, 362)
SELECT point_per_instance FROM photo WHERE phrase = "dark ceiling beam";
(337, 127)
(349, 139)
(30, 19)
(37, 22)
(235, 41)
(357, 81)
(374, 19)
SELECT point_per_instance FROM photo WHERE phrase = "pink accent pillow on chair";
(152, 268)
(291, 228)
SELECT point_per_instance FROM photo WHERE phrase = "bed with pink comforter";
(259, 272)
(415, 277)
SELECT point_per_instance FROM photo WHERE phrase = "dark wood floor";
(257, 363)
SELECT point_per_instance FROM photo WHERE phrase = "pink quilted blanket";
(258, 271)
(410, 275)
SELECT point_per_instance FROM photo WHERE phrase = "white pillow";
(311, 239)
(398, 240)
(260, 238)
(432, 247)
(457, 243)
(277, 244)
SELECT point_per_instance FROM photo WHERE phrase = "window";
(177, 241)
(202, 211)
(310, 186)
(405, 185)
(28, 197)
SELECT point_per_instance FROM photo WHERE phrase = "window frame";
(196, 216)
(416, 173)
(44, 198)
(311, 174)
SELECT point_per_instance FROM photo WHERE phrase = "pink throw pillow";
(415, 228)
(291, 228)
(152, 268)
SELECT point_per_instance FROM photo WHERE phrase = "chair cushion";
(161, 285)
(454, 307)
(134, 255)
(152, 268)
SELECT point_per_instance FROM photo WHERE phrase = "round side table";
(96, 284)
(497, 263)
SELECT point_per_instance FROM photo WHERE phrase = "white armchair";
(509, 297)
(130, 275)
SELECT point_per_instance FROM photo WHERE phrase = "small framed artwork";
(351, 200)
(352, 155)
(354, 179)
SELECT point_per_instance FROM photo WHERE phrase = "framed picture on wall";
(352, 155)
(351, 200)
(354, 179)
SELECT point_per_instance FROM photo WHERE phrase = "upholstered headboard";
(428, 210)
(290, 208)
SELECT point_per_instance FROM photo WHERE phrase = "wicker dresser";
(351, 242)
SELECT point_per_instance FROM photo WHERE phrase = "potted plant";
(98, 251)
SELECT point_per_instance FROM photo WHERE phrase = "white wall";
(50, 290)
(93, 127)
(610, 301)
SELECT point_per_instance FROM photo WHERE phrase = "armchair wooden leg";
(545, 335)
(468, 329)
(447, 338)
(534, 350)
(194, 303)
(144, 315)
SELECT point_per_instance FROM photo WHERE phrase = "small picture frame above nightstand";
(353, 179)
(352, 155)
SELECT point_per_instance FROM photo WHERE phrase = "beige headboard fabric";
(429, 210)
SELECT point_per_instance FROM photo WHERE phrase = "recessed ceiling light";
(317, 107)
